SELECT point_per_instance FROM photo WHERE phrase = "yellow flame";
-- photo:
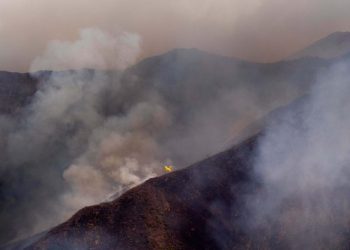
(168, 168)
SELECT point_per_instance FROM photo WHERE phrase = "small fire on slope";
(168, 168)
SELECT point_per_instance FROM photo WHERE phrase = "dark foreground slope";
(188, 82)
(194, 208)
(206, 206)
(201, 207)
(204, 95)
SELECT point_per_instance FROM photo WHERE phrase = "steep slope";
(331, 46)
(204, 94)
(208, 206)
(187, 209)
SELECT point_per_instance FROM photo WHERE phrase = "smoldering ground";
(88, 134)
(302, 165)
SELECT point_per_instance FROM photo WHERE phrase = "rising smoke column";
(122, 153)
(88, 134)
(95, 49)
(70, 149)
(108, 151)
(303, 165)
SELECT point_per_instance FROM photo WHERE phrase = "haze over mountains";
(183, 106)
(334, 45)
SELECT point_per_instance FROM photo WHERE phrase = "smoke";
(44, 145)
(121, 153)
(88, 135)
(94, 49)
(303, 166)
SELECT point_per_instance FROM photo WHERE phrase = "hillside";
(187, 209)
(209, 99)
(217, 203)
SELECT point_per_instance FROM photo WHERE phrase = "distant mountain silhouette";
(331, 46)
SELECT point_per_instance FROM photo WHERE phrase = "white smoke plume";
(121, 153)
(95, 49)
(87, 135)
(303, 164)
(68, 130)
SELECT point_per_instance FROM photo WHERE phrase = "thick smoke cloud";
(121, 153)
(262, 30)
(42, 144)
(89, 135)
(94, 50)
(303, 166)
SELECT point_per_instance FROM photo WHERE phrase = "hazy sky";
(262, 30)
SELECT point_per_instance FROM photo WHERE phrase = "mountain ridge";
(331, 46)
(173, 76)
